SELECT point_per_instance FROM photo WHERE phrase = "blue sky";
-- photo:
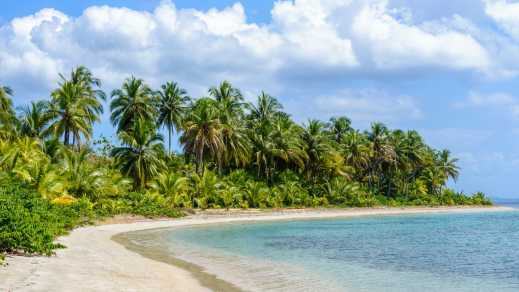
(449, 69)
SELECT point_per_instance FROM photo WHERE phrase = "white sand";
(94, 262)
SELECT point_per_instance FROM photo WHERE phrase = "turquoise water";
(441, 252)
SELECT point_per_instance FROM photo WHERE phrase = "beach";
(93, 261)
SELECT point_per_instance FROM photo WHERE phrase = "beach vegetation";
(232, 154)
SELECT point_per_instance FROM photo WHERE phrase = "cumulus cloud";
(505, 14)
(395, 43)
(327, 38)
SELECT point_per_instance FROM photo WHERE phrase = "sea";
(430, 252)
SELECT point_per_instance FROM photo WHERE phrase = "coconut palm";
(173, 186)
(381, 152)
(356, 151)
(70, 114)
(172, 105)
(6, 104)
(6, 112)
(225, 91)
(76, 106)
(229, 102)
(132, 102)
(338, 127)
(139, 156)
(34, 119)
(447, 165)
(84, 78)
(265, 110)
(202, 137)
(315, 145)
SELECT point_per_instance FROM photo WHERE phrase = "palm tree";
(172, 106)
(6, 104)
(447, 165)
(139, 157)
(6, 111)
(133, 102)
(266, 109)
(34, 119)
(202, 133)
(71, 112)
(356, 152)
(381, 152)
(338, 127)
(315, 145)
(76, 168)
(229, 102)
(225, 91)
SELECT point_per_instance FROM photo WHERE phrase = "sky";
(449, 69)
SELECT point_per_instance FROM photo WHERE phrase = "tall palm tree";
(134, 101)
(172, 106)
(139, 157)
(71, 112)
(381, 152)
(76, 106)
(202, 133)
(229, 103)
(34, 119)
(91, 85)
(356, 152)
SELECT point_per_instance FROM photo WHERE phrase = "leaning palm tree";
(139, 157)
(202, 133)
(172, 106)
(447, 165)
(134, 101)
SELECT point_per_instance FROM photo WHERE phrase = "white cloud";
(199, 48)
(368, 106)
(394, 43)
(505, 13)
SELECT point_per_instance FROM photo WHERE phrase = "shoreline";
(100, 259)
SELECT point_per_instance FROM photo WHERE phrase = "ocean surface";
(435, 252)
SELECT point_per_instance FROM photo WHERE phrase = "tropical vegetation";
(234, 154)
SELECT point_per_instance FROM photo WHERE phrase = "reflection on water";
(456, 252)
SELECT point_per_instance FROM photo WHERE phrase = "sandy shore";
(93, 261)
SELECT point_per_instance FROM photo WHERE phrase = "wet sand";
(101, 258)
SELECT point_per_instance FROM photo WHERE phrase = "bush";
(144, 204)
(30, 224)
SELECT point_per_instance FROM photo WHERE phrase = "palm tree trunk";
(66, 136)
(169, 140)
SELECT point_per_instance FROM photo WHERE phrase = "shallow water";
(440, 252)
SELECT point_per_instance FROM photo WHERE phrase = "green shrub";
(30, 224)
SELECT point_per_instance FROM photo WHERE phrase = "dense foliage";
(235, 155)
